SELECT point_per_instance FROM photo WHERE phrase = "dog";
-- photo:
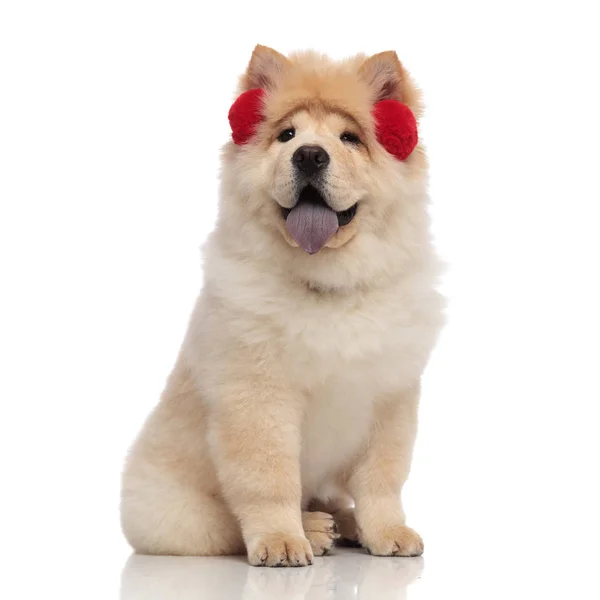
(289, 418)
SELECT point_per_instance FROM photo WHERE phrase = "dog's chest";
(336, 426)
(373, 345)
(343, 359)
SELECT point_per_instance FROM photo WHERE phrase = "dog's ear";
(383, 73)
(389, 80)
(264, 70)
(396, 103)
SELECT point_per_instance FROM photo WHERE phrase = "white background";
(111, 118)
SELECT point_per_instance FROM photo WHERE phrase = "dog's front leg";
(379, 475)
(255, 439)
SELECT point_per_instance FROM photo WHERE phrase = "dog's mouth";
(312, 221)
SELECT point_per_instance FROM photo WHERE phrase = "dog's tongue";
(311, 225)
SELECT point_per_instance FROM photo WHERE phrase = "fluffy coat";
(291, 411)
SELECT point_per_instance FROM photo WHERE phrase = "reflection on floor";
(349, 574)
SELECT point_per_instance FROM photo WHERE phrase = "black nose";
(310, 159)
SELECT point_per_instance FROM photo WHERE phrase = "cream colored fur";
(297, 384)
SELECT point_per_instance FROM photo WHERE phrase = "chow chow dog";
(290, 415)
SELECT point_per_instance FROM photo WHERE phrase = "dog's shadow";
(348, 574)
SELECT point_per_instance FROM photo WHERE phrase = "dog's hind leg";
(178, 521)
(170, 500)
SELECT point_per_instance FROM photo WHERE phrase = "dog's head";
(323, 152)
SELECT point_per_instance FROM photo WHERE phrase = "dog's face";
(314, 170)
(318, 165)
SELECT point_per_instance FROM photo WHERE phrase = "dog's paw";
(346, 525)
(320, 529)
(393, 540)
(279, 550)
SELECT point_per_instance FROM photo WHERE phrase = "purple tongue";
(311, 225)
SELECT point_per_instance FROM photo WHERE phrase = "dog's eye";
(286, 135)
(350, 138)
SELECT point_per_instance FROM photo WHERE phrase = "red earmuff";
(245, 114)
(396, 128)
(395, 124)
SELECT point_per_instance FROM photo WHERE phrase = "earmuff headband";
(395, 124)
